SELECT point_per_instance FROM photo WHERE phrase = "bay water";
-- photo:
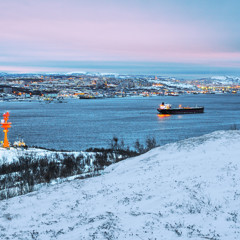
(81, 124)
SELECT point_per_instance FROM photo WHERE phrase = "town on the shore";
(59, 86)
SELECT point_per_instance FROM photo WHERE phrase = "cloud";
(190, 31)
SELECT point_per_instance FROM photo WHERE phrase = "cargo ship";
(167, 109)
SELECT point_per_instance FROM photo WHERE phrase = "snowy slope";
(12, 154)
(185, 190)
(9, 156)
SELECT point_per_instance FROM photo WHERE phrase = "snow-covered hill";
(225, 80)
(185, 190)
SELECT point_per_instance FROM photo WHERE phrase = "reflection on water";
(163, 116)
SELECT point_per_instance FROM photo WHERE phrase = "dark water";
(79, 124)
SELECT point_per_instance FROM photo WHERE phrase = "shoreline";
(55, 100)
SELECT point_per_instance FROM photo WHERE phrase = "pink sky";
(105, 30)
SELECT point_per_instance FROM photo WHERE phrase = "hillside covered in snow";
(184, 190)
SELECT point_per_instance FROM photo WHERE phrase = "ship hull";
(181, 110)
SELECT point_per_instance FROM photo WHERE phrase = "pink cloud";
(106, 30)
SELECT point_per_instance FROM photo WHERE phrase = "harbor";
(57, 88)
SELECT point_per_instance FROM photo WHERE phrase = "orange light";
(164, 115)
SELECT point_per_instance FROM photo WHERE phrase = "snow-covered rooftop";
(184, 190)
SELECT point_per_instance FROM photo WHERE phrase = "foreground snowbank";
(189, 189)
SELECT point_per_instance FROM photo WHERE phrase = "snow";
(172, 83)
(12, 154)
(226, 80)
(185, 190)
(223, 78)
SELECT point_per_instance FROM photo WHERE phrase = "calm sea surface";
(80, 124)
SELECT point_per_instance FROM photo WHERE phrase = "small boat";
(167, 109)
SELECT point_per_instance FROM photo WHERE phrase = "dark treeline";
(21, 176)
(25, 174)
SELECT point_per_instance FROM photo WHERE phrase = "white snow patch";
(223, 78)
(12, 154)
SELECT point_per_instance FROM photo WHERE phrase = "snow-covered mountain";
(184, 190)
(226, 79)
